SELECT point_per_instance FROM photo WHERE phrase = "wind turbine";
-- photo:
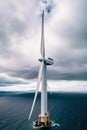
(43, 118)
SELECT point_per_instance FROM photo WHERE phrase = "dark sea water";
(67, 109)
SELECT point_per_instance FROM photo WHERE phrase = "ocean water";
(67, 109)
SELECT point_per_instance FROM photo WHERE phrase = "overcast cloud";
(65, 39)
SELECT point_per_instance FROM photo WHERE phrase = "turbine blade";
(49, 88)
(37, 89)
(42, 37)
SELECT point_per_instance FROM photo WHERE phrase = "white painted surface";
(44, 91)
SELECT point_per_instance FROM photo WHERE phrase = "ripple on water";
(70, 113)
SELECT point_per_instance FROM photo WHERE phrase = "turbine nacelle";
(48, 61)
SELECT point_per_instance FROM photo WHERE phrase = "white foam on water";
(56, 124)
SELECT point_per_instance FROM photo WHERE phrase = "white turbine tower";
(43, 119)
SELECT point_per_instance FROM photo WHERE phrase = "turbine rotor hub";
(48, 61)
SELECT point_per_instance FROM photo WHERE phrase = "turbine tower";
(43, 118)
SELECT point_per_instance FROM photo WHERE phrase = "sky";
(65, 40)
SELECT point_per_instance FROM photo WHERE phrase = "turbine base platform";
(43, 121)
(38, 124)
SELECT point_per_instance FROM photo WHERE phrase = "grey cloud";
(17, 27)
(58, 75)
(4, 82)
(18, 19)
(73, 26)
(29, 73)
(71, 50)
